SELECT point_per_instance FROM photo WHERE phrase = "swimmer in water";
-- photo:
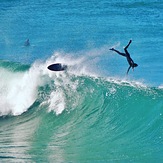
(127, 55)
(27, 43)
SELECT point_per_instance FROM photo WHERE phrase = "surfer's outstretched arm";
(128, 70)
(123, 54)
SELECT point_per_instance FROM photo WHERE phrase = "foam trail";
(82, 62)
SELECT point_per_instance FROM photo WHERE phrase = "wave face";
(74, 116)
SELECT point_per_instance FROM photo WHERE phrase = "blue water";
(93, 111)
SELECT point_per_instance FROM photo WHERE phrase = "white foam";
(56, 102)
(161, 86)
(18, 91)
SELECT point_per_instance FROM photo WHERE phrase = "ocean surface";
(92, 112)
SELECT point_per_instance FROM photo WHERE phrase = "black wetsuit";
(127, 55)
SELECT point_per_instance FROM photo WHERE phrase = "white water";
(18, 91)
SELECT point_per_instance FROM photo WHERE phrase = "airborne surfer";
(127, 55)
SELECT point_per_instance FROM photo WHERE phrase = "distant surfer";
(27, 43)
(127, 55)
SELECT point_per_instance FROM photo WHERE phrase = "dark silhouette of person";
(27, 43)
(127, 55)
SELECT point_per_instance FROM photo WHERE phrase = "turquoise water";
(92, 112)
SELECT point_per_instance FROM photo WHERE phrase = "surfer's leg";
(118, 52)
(127, 46)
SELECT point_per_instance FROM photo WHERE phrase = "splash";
(18, 91)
